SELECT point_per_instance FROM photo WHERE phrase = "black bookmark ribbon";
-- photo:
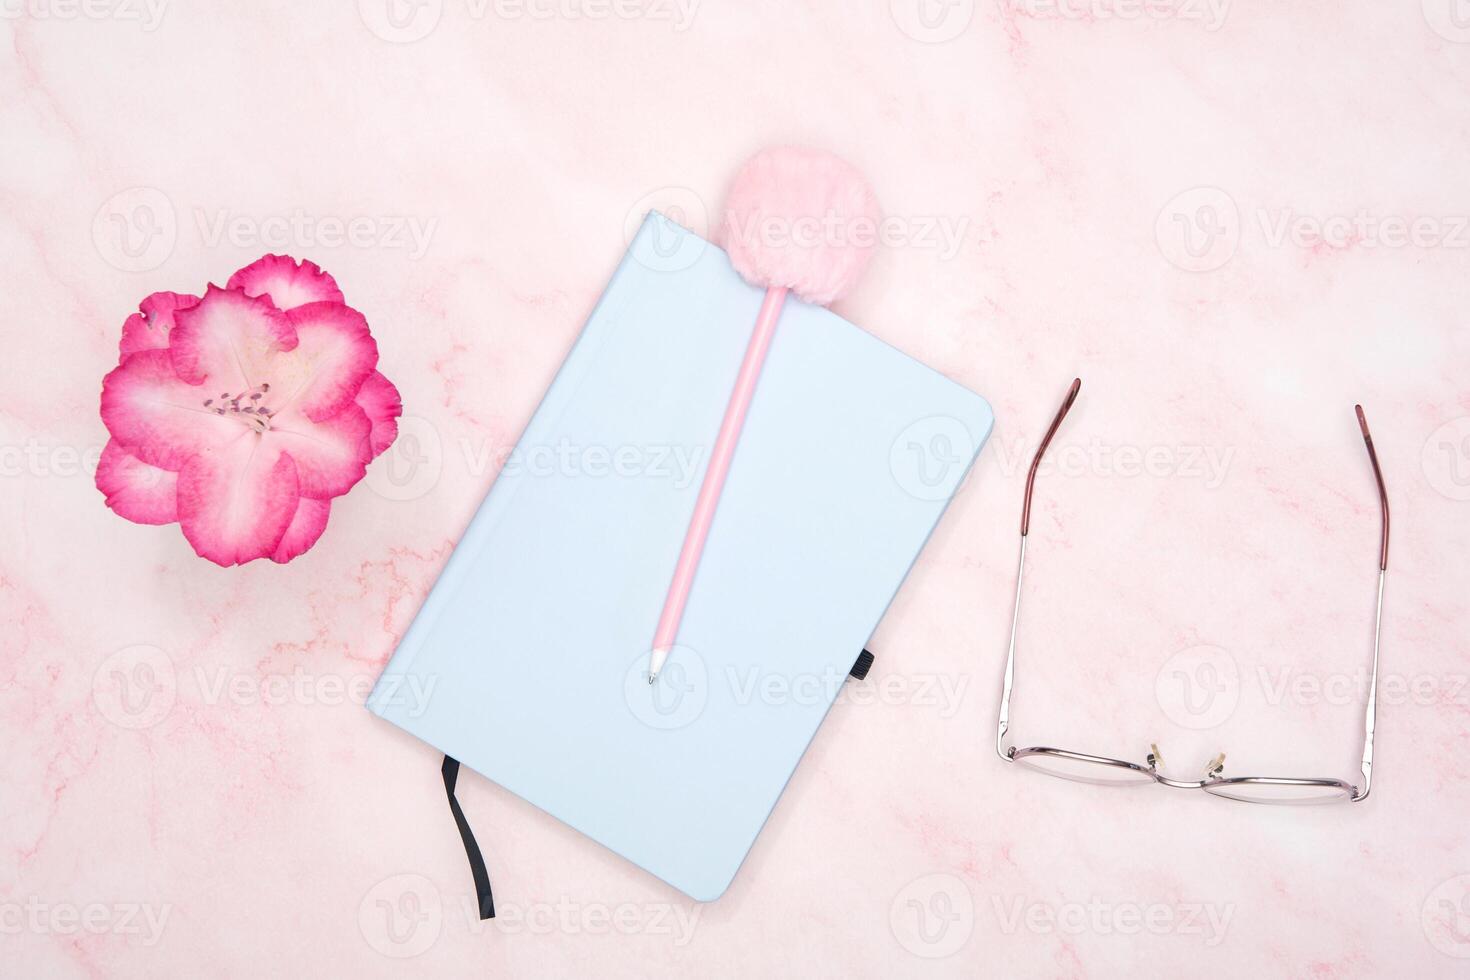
(450, 769)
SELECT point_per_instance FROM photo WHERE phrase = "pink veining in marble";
(1233, 220)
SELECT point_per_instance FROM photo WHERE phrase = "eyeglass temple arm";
(1005, 694)
(1382, 493)
(1370, 713)
(1041, 451)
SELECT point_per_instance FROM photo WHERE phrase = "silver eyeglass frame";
(1212, 781)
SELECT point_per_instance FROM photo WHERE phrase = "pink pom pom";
(803, 219)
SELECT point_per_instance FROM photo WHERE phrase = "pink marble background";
(1232, 219)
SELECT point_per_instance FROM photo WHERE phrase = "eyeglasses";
(1249, 789)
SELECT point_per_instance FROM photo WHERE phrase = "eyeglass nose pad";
(1215, 766)
(1155, 757)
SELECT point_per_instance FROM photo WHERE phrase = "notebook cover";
(536, 636)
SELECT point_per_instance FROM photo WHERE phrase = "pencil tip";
(652, 678)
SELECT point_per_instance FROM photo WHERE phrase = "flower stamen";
(254, 415)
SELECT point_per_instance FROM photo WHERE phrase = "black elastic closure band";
(863, 665)
(450, 769)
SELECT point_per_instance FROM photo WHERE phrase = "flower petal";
(334, 353)
(149, 330)
(163, 419)
(286, 282)
(228, 340)
(380, 400)
(308, 524)
(331, 455)
(237, 499)
(138, 492)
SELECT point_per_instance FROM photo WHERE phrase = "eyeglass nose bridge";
(1213, 769)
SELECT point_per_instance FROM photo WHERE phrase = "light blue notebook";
(536, 636)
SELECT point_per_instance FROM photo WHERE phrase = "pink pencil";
(797, 220)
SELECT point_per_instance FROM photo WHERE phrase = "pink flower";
(242, 413)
